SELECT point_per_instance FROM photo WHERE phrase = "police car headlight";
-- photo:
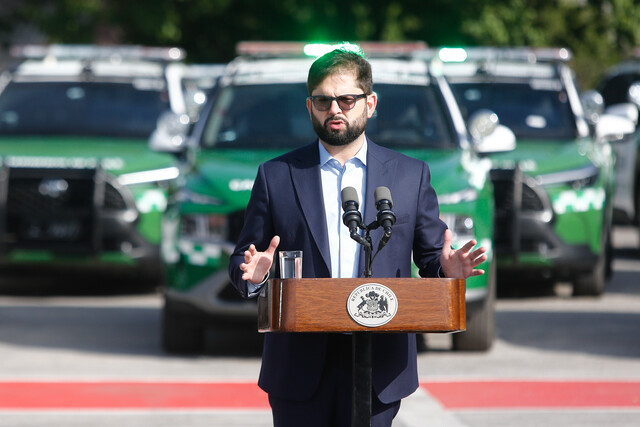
(156, 175)
(187, 196)
(204, 227)
(577, 178)
(461, 226)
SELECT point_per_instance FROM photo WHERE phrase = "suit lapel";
(380, 172)
(305, 175)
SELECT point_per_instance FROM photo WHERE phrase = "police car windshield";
(274, 116)
(80, 108)
(530, 112)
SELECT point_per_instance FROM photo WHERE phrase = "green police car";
(257, 112)
(79, 186)
(620, 94)
(554, 192)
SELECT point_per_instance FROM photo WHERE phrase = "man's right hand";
(257, 264)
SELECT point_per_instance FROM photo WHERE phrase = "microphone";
(351, 216)
(385, 217)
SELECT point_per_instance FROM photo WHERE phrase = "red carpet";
(535, 394)
(129, 395)
(247, 395)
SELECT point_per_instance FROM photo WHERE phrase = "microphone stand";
(367, 245)
(362, 348)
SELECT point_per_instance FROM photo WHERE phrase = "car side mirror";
(626, 110)
(488, 135)
(171, 132)
(611, 127)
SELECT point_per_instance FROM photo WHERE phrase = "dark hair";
(340, 60)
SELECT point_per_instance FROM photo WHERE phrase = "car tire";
(181, 333)
(593, 283)
(481, 324)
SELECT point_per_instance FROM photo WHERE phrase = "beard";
(336, 137)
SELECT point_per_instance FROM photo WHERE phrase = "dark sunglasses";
(345, 102)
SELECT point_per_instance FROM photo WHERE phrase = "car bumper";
(527, 239)
(87, 218)
(540, 249)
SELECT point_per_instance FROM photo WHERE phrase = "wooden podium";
(320, 305)
(352, 305)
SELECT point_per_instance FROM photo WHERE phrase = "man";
(295, 205)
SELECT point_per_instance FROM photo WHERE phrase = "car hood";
(538, 157)
(453, 170)
(117, 156)
(226, 176)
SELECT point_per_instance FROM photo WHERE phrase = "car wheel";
(181, 333)
(481, 324)
(593, 283)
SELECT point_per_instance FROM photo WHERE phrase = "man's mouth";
(335, 124)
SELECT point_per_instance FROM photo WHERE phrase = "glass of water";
(290, 264)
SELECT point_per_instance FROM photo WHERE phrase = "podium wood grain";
(320, 305)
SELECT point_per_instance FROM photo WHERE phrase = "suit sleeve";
(257, 229)
(429, 234)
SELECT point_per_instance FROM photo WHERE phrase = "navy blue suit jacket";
(286, 200)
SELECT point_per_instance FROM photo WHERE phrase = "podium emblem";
(372, 305)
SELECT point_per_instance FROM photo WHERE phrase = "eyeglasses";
(345, 102)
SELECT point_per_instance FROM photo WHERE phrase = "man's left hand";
(460, 263)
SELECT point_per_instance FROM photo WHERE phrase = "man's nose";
(335, 107)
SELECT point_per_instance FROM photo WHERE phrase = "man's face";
(337, 126)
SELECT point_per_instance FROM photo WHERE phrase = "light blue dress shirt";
(345, 252)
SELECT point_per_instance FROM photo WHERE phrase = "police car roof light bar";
(88, 52)
(300, 49)
(532, 55)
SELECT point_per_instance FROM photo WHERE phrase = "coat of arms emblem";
(372, 304)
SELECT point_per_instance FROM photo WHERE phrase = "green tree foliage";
(600, 32)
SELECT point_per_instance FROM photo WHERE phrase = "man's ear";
(372, 102)
(309, 106)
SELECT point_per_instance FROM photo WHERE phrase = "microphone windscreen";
(382, 193)
(349, 194)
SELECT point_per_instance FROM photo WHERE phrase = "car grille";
(511, 208)
(113, 199)
(56, 209)
(504, 192)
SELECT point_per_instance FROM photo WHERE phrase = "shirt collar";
(360, 155)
